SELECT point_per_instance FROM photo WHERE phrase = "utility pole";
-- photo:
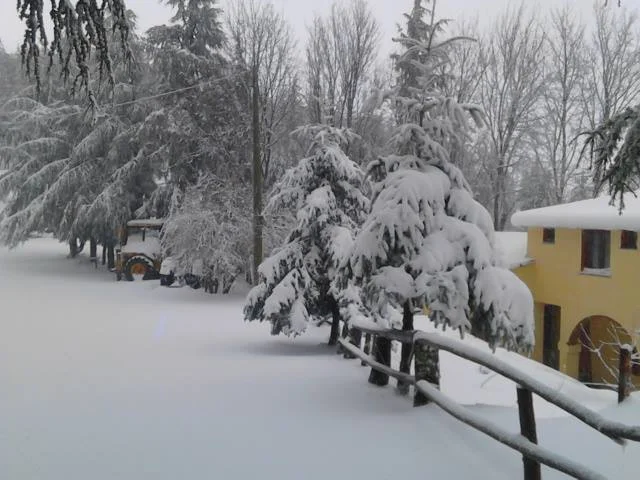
(257, 176)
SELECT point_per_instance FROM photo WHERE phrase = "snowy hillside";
(105, 380)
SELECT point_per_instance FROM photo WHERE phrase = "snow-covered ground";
(106, 380)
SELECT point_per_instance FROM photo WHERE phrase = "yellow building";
(582, 264)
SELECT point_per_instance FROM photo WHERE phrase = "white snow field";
(107, 380)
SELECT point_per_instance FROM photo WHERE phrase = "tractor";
(139, 254)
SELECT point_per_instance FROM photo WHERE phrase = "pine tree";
(426, 241)
(70, 176)
(615, 154)
(136, 157)
(299, 280)
(78, 31)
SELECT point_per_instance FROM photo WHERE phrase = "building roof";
(511, 248)
(595, 213)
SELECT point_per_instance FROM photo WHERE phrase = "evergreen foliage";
(81, 182)
(83, 176)
(299, 280)
(426, 240)
(78, 30)
(615, 154)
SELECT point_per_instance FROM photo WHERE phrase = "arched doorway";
(599, 339)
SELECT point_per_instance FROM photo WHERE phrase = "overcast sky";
(300, 12)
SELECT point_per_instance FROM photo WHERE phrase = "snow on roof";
(150, 246)
(146, 222)
(595, 213)
(511, 248)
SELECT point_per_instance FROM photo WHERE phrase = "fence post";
(343, 333)
(382, 354)
(355, 339)
(406, 348)
(367, 347)
(624, 369)
(528, 430)
(426, 365)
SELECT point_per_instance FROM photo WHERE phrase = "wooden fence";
(423, 347)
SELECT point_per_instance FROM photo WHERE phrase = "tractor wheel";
(139, 268)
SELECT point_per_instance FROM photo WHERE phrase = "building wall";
(555, 278)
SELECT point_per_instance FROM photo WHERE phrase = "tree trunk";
(382, 354)
(335, 324)
(93, 249)
(367, 347)
(343, 334)
(427, 367)
(73, 248)
(104, 254)
(111, 258)
(407, 348)
(257, 177)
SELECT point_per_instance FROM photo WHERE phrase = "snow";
(595, 213)
(138, 381)
(599, 272)
(426, 240)
(150, 246)
(614, 429)
(146, 222)
(300, 277)
(542, 454)
(511, 248)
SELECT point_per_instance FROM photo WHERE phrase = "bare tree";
(341, 52)
(261, 43)
(510, 90)
(613, 80)
(556, 148)
(614, 77)
(465, 67)
(606, 351)
(462, 76)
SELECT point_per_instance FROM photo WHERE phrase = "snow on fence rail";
(425, 380)
(614, 430)
(528, 448)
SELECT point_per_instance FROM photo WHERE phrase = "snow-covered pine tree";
(80, 32)
(615, 154)
(427, 242)
(67, 175)
(297, 281)
(36, 145)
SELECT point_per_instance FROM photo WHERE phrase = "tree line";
(192, 121)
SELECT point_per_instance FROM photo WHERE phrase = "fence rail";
(517, 442)
(425, 347)
(614, 430)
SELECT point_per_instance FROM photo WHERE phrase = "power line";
(171, 92)
(200, 85)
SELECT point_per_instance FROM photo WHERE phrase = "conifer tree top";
(426, 240)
